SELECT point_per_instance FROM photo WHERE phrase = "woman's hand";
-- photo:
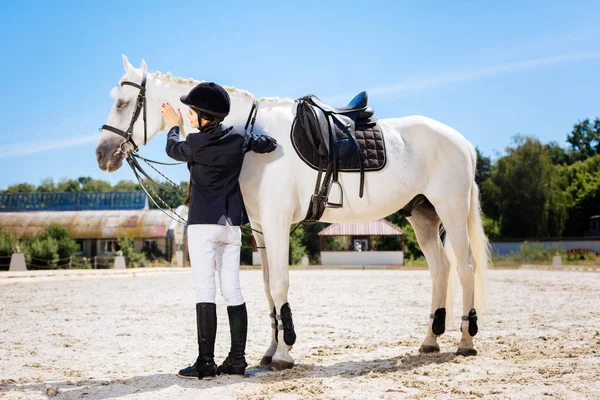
(173, 118)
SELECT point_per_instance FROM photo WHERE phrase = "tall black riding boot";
(235, 363)
(206, 323)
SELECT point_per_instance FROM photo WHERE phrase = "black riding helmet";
(208, 99)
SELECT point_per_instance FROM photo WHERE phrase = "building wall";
(362, 257)
(353, 258)
(504, 248)
(161, 243)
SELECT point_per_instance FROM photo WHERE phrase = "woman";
(216, 213)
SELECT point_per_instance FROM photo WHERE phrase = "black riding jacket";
(215, 162)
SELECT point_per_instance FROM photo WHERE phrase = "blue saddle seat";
(357, 109)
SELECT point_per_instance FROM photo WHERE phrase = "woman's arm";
(259, 143)
(176, 149)
(180, 151)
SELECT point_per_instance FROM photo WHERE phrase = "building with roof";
(96, 220)
(362, 244)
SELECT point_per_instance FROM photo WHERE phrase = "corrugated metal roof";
(92, 224)
(374, 228)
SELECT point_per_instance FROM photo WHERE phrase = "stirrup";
(335, 205)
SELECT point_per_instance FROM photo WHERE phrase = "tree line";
(541, 190)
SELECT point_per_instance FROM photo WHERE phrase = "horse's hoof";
(280, 365)
(466, 352)
(266, 361)
(429, 349)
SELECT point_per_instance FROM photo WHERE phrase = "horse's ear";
(143, 67)
(126, 64)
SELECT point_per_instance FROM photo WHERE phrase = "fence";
(35, 263)
(4, 262)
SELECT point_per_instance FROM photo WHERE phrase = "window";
(109, 246)
(81, 246)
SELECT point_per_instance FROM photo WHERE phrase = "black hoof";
(266, 361)
(466, 352)
(429, 349)
(280, 365)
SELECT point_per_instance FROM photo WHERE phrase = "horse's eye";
(122, 104)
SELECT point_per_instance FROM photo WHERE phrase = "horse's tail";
(480, 247)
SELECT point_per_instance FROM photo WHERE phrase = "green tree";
(7, 241)
(67, 246)
(411, 246)
(173, 199)
(47, 185)
(583, 188)
(584, 140)
(95, 185)
(530, 205)
(21, 188)
(557, 154)
(297, 249)
(132, 258)
(42, 251)
(484, 167)
(68, 185)
(312, 242)
(336, 243)
(127, 186)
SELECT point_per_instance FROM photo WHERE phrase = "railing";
(36, 263)
(3, 263)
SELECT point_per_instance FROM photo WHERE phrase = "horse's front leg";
(276, 230)
(260, 243)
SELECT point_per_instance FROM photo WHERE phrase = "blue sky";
(488, 70)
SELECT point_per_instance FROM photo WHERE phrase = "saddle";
(334, 140)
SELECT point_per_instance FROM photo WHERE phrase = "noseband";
(140, 104)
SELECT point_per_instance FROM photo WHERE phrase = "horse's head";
(112, 145)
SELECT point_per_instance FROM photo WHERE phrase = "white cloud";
(31, 147)
(471, 75)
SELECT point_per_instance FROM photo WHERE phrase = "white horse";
(424, 157)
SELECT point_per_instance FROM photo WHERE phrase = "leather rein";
(132, 156)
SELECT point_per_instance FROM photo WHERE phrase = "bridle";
(140, 104)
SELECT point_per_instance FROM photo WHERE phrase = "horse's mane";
(168, 77)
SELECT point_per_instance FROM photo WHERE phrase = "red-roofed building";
(362, 246)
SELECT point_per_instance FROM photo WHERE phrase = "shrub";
(42, 252)
(580, 254)
(67, 246)
(297, 249)
(133, 259)
(152, 251)
(7, 241)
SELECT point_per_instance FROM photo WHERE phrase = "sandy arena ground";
(126, 336)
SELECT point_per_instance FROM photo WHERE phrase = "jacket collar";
(220, 131)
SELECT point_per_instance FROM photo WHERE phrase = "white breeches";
(219, 245)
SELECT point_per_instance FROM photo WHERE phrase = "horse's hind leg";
(426, 224)
(455, 223)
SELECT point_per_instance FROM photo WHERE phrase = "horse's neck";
(241, 103)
